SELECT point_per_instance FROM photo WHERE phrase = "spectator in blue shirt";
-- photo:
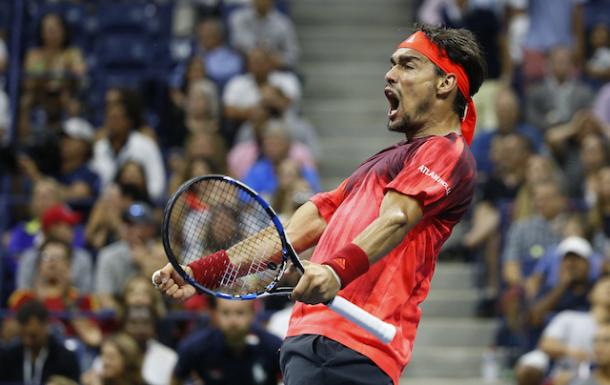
(262, 176)
(232, 352)
(221, 62)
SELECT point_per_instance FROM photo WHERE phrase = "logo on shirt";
(435, 177)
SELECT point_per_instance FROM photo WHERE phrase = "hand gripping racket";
(226, 227)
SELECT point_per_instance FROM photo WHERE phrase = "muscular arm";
(398, 214)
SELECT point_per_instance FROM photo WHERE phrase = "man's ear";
(446, 84)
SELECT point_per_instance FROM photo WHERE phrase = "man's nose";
(390, 76)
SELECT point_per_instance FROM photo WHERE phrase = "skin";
(424, 107)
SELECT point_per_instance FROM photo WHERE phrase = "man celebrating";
(379, 233)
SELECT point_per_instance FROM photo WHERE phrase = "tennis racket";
(211, 217)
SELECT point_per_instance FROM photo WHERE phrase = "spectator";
(78, 181)
(594, 154)
(568, 339)
(139, 293)
(510, 154)
(571, 289)
(509, 120)
(601, 357)
(601, 108)
(202, 111)
(276, 91)
(193, 168)
(58, 222)
(53, 72)
(599, 214)
(559, 23)
(37, 355)
(598, 66)
(546, 274)
(105, 223)
(555, 101)
(207, 145)
(243, 155)
(132, 173)
(262, 177)
(133, 101)
(539, 168)
(45, 194)
(529, 239)
(121, 363)
(55, 289)
(261, 25)
(158, 364)
(129, 256)
(233, 352)
(220, 62)
(292, 189)
(124, 143)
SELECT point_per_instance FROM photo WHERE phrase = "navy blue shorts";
(312, 359)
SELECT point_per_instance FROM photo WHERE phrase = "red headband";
(420, 43)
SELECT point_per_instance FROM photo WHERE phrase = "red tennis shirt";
(437, 171)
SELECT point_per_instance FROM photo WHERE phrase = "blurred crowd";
(539, 228)
(118, 104)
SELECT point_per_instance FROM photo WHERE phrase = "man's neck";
(441, 125)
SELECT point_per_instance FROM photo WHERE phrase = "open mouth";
(394, 103)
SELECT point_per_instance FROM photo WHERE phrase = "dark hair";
(49, 241)
(67, 37)
(131, 102)
(462, 48)
(33, 309)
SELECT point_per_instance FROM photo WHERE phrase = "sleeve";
(290, 49)
(231, 94)
(186, 361)
(25, 271)
(327, 202)
(155, 171)
(104, 277)
(559, 327)
(82, 270)
(511, 248)
(437, 175)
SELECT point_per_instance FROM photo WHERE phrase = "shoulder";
(267, 340)
(139, 140)
(240, 15)
(197, 342)
(111, 251)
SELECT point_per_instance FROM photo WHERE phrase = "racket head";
(204, 204)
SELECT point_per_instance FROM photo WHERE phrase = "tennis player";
(379, 233)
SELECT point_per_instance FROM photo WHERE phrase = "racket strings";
(213, 215)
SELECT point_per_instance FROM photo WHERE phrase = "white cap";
(79, 128)
(575, 245)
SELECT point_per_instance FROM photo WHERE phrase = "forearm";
(390, 228)
(554, 348)
(545, 305)
(303, 231)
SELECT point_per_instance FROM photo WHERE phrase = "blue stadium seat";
(123, 51)
(134, 17)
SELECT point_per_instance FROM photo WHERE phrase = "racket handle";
(382, 330)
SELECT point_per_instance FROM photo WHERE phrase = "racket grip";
(384, 331)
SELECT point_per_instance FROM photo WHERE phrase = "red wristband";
(349, 263)
(210, 270)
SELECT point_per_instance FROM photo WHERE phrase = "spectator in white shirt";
(261, 25)
(124, 143)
